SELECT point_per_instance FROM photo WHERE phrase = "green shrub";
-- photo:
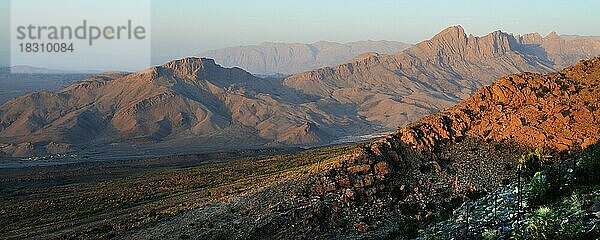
(407, 228)
(574, 205)
(540, 225)
(571, 218)
(421, 232)
(589, 166)
(545, 213)
(490, 234)
(533, 162)
(538, 188)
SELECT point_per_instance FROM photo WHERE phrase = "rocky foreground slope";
(425, 168)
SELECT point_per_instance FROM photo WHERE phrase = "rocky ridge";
(440, 158)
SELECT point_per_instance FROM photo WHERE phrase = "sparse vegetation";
(561, 204)
(540, 224)
(146, 195)
(588, 171)
(490, 234)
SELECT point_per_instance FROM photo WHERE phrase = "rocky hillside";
(557, 111)
(437, 73)
(427, 168)
(289, 58)
(467, 149)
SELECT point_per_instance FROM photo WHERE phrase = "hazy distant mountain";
(287, 58)
(570, 37)
(563, 51)
(25, 69)
(31, 79)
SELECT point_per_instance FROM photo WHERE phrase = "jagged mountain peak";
(530, 38)
(453, 43)
(454, 35)
(552, 34)
(456, 30)
(443, 70)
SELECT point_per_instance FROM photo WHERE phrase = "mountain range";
(435, 74)
(195, 104)
(389, 187)
(189, 103)
(289, 58)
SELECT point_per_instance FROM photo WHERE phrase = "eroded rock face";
(362, 174)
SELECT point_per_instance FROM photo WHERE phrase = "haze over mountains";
(195, 104)
(289, 58)
(30, 79)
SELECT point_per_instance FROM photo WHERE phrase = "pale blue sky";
(186, 27)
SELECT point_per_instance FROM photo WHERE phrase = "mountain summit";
(454, 43)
